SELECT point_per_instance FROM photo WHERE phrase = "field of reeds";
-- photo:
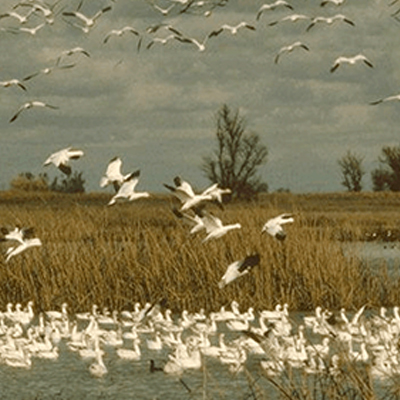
(141, 252)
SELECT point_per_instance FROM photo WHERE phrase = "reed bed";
(140, 252)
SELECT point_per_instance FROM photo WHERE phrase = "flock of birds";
(192, 210)
(319, 343)
(26, 10)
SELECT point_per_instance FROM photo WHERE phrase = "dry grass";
(116, 256)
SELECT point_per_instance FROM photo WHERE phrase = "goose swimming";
(61, 159)
(274, 226)
(238, 269)
(127, 190)
(31, 104)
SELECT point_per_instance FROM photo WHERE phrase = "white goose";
(133, 354)
(113, 175)
(290, 18)
(272, 6)
(196, 221)
(238, 269)
(70, 52)
(351, 61)
(17, 234)
(26, 244)
(31, 104)
(215, 228)
(232, 29)
(386, 99)
(88, 21)
(120, 32)
(330, 20)
(12, 82)
(127, 190)
(289, 49)
(62, 158)
(274, 226)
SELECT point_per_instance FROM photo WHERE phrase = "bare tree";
(237, 157)
(352, 171)
(387, 175)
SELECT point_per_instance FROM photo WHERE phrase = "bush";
(71, 184)
(28, 182)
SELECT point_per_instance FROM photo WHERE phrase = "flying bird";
(334, 2)
(232, 29)
(330, 20)
(88, 21)
(184, 192)
(62, 158)
(164, 11)
(238, 269)
(12, 82)
(215, 228)
(127, 190)
(216, 192)
(23, 19)
(113, 174)
(289, 49)
(31, 31)
(26, 244)
(274, 226)
(385, 99)
(47, 71)
(31, 104)
(272, 6)
(163, 41)
(291, 18)
(195, 221)
(350, 60)
(201, 46)
(120, 32)
(17, 234)
(70, 52)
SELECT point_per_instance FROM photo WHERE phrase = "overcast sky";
(156, 108)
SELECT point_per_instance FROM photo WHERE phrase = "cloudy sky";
(156, 108)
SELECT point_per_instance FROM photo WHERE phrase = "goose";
(201, 46)
(32, 31)
(113, 174)
(274, 226)
(216, 192)
(88, 21)
(71, 52)
(133, 354)
(214, 227)
(47, 71)
(26, 244)
(238, 269)
(232, 29)
(62, 158)
(272, 6)
(155, 343)
(385, 99)
(330, 20)
(163, 11)
(45, 10)
(22, 19)
(350, 60)
(163, 41)
(196, 221)
(98, 368)
(127, 190)
(12, 82)
(58, 315)
(184, 192)
(291, 18)
(156, 27)
(29, 105)
(17, 234)
(289, 49)
(334, 2)
(120, 32)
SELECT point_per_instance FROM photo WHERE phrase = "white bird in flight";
(12, 82)
(232, 29)
(201, 46)
(350, 60)
(272, 6)
(334, 2)
(47, 71)
(62, 158)
(330, 20)
(196, 221)
(18, 234)
(31, 104)
(216, 192)
(24, 237)
(289, 49)
(238, 269)
(161, 40)
(127, 190)
(120, 32)
(70, 52)
(23, 19)
(88, 21)
(386, 99)
(215, 228)
(290, 18)
(113, 174)
(274, 226)
(31, 31)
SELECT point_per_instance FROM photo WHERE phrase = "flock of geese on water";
(192, 211)
(25, 10)
(318, 343)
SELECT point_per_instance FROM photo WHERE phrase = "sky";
(155, 108)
